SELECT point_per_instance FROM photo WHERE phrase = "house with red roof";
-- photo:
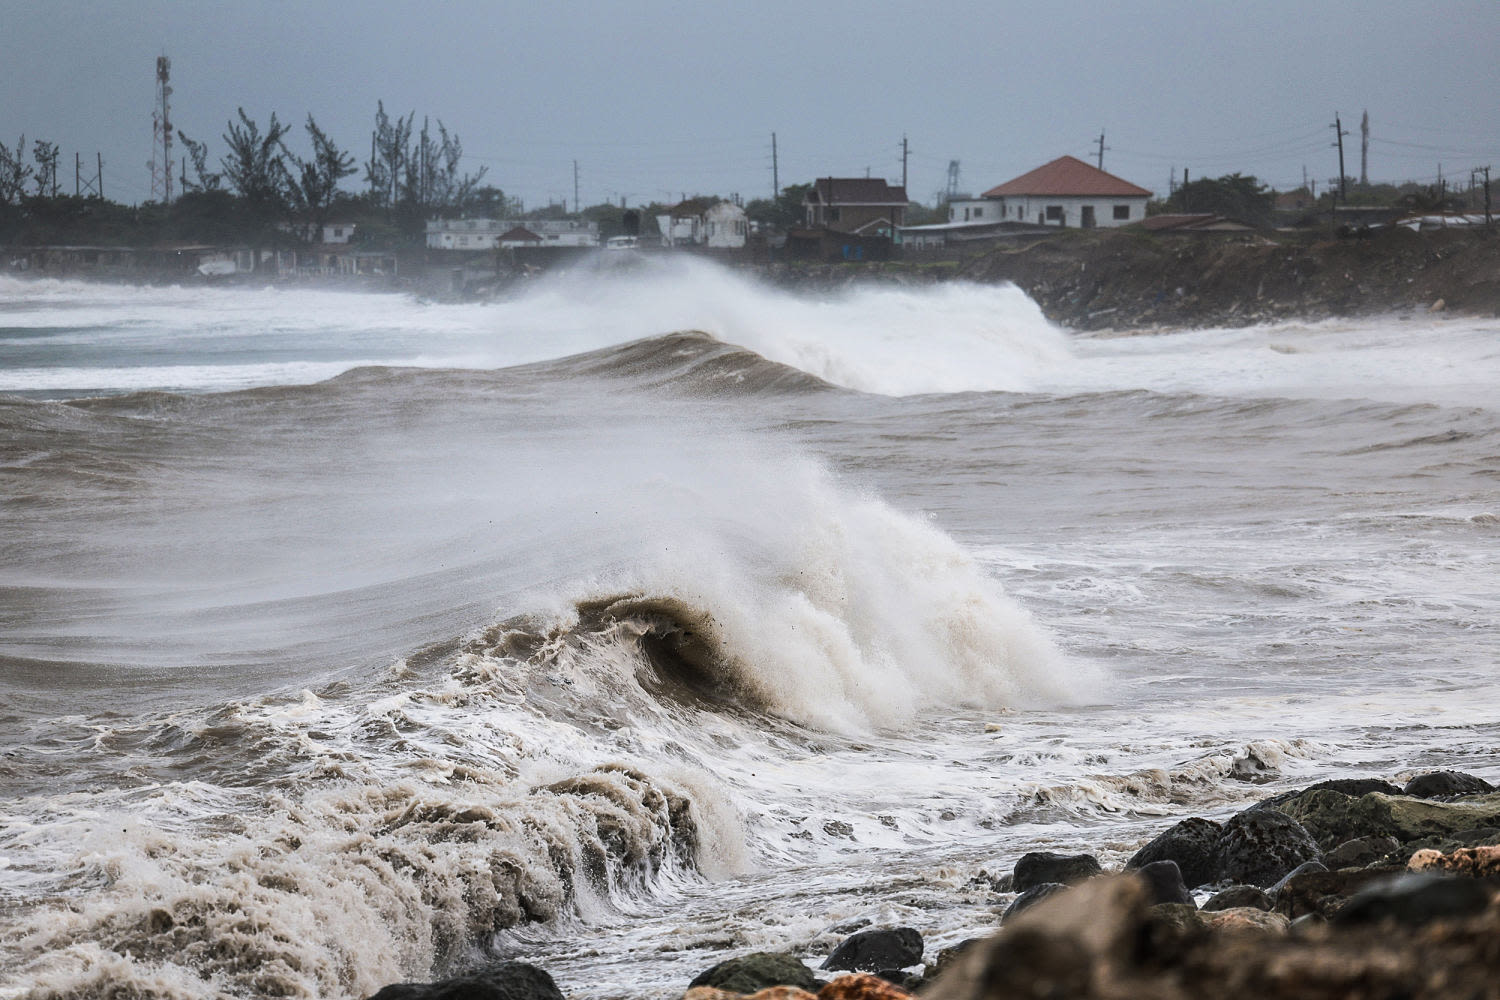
(1065, 192)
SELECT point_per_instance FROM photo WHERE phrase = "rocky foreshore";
(1347, 888)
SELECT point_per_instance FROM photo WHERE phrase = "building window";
(833, 215)
(1054, 213)
(1122, 213)
(978, 212)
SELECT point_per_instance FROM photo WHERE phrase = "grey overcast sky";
(659, 98)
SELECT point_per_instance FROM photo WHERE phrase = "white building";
(1065, 192)
(490, 234)
(708, 222)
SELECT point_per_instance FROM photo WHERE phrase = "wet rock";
(838, 828)
(947, 957)
(504, 981)
(1031, 897)
(1475, 862)
(1438, 784)
(1360, 852)
(1322, 894)
(1239, 897)
(1100, 940)
(1302, 869)
(862, 986)
(1164, 883)
(1414, 898)
(1238, 919)
(1334, 818)
(1259, 846)
(1040, 867)
(781, 993)
(1191, 844)
(1349, 786)
(756, 971)
(876, 949)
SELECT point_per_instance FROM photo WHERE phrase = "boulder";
(862, 986)
(1191, 844)
(1334, 818)
(1239, 897)
(758, 970)
(876, 949)
(1040, 867)
(1349, 786)
(1259, 846)
(503, 981)
(1438, 784)
(1322, 894)
(947, 957)
(1031, 897)
(1360, 852)
(1164, 883)
(1237, 919)
(1414, 898)
(1475, 862)
(1302, 869)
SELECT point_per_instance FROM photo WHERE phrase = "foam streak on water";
(616, 648)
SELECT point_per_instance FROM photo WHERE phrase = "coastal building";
(864, 206)
(1065, 192)
(491, 234)
(710, 222)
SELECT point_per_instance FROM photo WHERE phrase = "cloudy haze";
(659, 99)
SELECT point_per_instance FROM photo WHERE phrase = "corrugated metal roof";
(1067, 176)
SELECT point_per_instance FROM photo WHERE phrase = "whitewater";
(645, 616)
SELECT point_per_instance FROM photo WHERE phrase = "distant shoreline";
(1123, 280)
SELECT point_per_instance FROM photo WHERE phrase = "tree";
(317, 180)
(256, 170)
(45, 154)
(785, 211)
(198, 153)
(1244, 199)
(14, 172)
(384, 170)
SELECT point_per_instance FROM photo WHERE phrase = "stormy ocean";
(650, 616)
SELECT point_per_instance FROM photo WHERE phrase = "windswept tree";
(14, 172)
(317, 179)
(198, 153)
(45, 154)
(417, 176)
(256, 169)
(1234, 196)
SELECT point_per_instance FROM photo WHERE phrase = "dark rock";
(505, 981)
(1414, 898)
(1031, 897)
(1259, 846)
(1324, 893)
(1164, 883)
(1041, 867)
(756, 971)
(877, 949)
(1334, 818)
(1360, 852)
(1438, 784)
(946, 957)
(1349, 786)
(1191, 844)
(1302, 869)
(1238, 897)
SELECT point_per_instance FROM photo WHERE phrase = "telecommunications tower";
(161, 134)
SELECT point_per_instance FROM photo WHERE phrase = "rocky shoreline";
(1345, 888)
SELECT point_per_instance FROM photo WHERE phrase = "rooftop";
(1064, 177)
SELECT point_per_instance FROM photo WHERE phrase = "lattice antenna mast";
(952, 191)
(161, 134)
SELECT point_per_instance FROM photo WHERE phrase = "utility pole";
(905, 152)
(576, 207)
(1102, 148)
(1488, 220)
(1364, 150)
(1339, 133)
(775, 174)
